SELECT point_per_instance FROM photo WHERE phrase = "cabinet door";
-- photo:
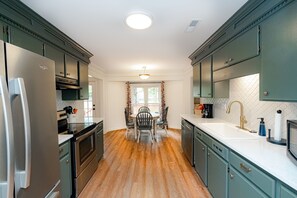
(58, 56)
(278, 57)
(100, 145)
(3, 31)
(83, 81)
(200, 158)
(66, 178)
(287, 193)
(196, 80)
(240, 49)
(239, 186)
(26, 41)
(71, 65)
(217, 175)
(206, 78)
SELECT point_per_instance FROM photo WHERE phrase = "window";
(146, 95)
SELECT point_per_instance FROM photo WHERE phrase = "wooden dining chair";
(143, 109)
(162, 123)
(144, 123)
(129, 122)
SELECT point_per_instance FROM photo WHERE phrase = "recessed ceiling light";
(139, 21)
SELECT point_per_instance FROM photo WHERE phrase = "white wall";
(178, 93)
(175, 101)
(115, 105)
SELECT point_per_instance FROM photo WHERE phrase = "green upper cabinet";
(206, 78)
(71, 65)
(2, 31)
(83, 93)
(58, 56)
(83, 81)
(25, 40)
(278, 58)
(239, 49)
(196, 80)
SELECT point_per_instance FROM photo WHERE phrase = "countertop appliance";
(29, 150)
(292, 140)
(187, 139)
(83, 150)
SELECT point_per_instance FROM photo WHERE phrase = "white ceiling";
(99, 26)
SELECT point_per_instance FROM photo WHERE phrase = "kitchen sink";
(228, 131)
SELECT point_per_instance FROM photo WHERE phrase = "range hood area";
(63, 83)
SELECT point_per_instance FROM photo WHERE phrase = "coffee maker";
(207, 111)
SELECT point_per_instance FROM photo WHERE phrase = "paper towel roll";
(277, 125)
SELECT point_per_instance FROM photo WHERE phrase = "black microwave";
(292, 140)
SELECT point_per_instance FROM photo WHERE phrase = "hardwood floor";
(131, 169)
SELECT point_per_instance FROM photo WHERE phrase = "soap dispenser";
(262, 130)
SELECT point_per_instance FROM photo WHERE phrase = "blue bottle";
(262, 129)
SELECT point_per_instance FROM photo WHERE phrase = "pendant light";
(144, 75)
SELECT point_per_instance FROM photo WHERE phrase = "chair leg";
(152, 136)
(166, 127)
(138, 134)
(127, 130)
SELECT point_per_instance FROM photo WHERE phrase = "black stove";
(78, 129)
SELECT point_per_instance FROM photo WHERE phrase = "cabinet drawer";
(240, 49)
(286, 192)
(220, 149)
(198, 133)
(64, 149)
(255, 175)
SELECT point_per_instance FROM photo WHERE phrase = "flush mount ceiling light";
(139, 21)
(144, 75)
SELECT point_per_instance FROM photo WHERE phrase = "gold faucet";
(242, 117)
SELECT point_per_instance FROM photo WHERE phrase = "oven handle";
(86, 135)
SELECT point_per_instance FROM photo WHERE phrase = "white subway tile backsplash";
(246, 90)
(78, 104)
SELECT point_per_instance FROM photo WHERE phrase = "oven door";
(85, 150)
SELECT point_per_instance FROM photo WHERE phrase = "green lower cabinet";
(217, 175)
(287, 193)
(200, 158)
(239, 186)
(65, 170)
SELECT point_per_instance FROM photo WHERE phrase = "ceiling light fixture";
(139, 21)
(144, 75)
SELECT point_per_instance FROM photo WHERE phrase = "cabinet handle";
(246, 169)
(67, 161)
(61, 150)
(68, 74)
(231, 176)
(61, 72)
(208, 154)
(230, 60)
(203, 148)
(266, 93)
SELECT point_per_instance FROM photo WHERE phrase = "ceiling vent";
(192, 25)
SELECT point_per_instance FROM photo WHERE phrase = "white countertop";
(270, 157)
(63, 138)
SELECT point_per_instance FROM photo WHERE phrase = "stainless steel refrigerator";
(29, 156)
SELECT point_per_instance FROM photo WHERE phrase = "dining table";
(155, 117)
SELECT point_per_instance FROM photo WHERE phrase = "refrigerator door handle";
(7, 187)
(17, 87)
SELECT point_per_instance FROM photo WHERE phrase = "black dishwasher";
(187, 140)
(99, 141)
